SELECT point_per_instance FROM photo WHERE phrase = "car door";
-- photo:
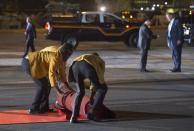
(90, 28)
(112, 27)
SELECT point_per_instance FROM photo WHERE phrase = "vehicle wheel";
(132, 40)
(71, 39)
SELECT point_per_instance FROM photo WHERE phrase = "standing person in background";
(30, 35)
(175, 40)
(144, 40)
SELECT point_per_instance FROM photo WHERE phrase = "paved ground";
(154, 105)
(123, 61)
(155, 101)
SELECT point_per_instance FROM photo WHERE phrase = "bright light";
(131, 16)
(165, 3)
(158, 5)
(153, 8)
(102, 8)
(154, 5)
(190, 12)
(191, 6)
(141, 8)
(127, 26)
(123, 17)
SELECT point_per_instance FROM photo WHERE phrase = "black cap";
(95, 53)
(66, 51)
(65, 47)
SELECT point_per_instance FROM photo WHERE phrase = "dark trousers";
(29, 44)
(41, 99)
(81, 71)
(143, 61)
(176, 56)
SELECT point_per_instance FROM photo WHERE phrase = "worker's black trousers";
(82, 70)
(41, 99)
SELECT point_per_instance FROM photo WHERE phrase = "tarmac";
(156, 101)
(121, 63)
(123, 66)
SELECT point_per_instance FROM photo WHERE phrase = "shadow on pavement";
(131, 116)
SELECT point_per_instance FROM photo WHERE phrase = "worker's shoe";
(73, 120)
(46, 111)
(58, 106)
(92, 117)
(33, 111)
(144, 70)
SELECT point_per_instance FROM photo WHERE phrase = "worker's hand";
(178, 42)
(61, 87)
(68, 86)
(59, 90)
(91, 100)
(64, 87)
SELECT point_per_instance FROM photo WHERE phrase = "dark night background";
(14, 12)
(32, 6)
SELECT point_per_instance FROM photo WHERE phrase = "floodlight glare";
(102, 8)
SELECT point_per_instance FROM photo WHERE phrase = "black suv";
(92, 26)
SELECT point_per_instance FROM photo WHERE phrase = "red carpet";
(22, 117)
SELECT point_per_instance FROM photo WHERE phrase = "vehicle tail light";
(47, 26)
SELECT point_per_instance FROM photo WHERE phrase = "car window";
(92, 18)
(111, 19)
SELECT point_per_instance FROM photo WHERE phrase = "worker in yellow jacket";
(91, 67)
(46, 68)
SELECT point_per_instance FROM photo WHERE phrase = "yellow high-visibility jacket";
(96, 62)
(47, 63)
(51, 48)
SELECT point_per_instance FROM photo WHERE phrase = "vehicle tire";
(71, 39)
(132, 39)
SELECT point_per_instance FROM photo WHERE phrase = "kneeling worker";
(92, 67)
(46, 68)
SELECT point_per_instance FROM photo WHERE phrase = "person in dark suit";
(175, 40)
(144, 40)
(30, 35)
(88, 67)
